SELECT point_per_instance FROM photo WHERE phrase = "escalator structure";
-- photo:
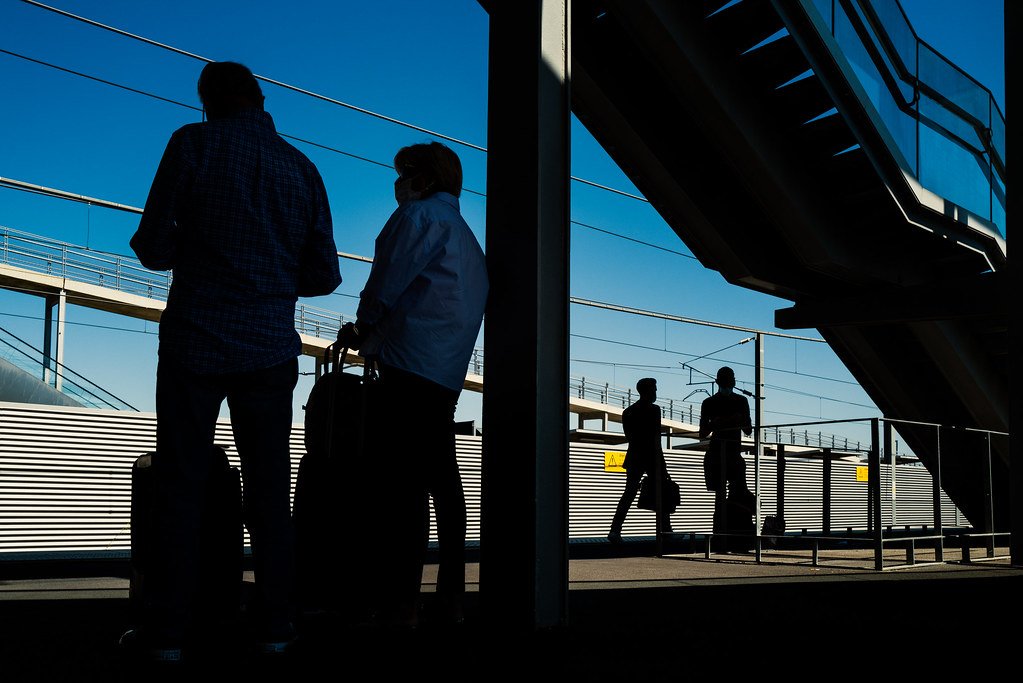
(745, 127)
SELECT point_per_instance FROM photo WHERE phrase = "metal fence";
(65, 486)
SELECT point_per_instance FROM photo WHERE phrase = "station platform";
(631, 614)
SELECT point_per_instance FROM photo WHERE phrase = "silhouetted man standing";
(242, 219)
(724, 417)
(642, 425)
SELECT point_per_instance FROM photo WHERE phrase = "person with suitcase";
(242, 219)
(418, 318)
(724, 417)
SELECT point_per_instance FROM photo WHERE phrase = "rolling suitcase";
(222, 541)
(333, 558)
(739, 525)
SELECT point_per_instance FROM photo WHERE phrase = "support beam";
(1013, 55)
(524, 515)
(979, 297)
(53, 346)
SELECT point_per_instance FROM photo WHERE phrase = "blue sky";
(422, 63)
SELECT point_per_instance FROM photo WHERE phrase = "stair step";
(852, 174)
(775, 63)
(744, 24)
(711, 6)
(802, 100)
(825, 137)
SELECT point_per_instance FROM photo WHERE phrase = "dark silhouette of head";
(647, 388)
(726, 377)
(432, 167)
(226, 88)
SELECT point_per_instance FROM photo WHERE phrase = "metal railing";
(881, 497)
(623, 397)
(124, 274)
(945, 125)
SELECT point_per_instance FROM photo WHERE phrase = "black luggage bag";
(222, 539)
(334, 561)
(738, 527)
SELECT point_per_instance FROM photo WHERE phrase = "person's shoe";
(615, 537)
(135, 644)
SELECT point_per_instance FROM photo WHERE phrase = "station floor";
(631, 614)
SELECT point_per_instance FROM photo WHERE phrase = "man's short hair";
(226, 87)
(646, 383)
(437, 163)
(726, 377)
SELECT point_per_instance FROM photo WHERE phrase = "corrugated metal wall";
(65, 483)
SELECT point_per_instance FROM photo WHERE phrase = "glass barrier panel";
(954, 173)
(901, 126)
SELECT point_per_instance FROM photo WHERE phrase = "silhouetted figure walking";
(724, 417)
(242, 219)
(642, 425)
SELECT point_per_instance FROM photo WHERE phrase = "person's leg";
(665, 516)
(406, 517)
(261, 416)
(445, 484)
(633, 477)
(187, 407)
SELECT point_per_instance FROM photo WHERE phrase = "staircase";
(792, 150)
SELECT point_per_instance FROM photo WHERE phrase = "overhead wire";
(288, 136)
(773, 387)
(266, 79)
(364, 111)
(303, 91)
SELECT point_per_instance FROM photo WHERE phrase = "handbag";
(670, 495)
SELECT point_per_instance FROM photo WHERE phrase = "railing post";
(890, 452)
(990, 522)
(939, 551)
(874, 484)
(780, 475)
(758, 445)
(826, 494)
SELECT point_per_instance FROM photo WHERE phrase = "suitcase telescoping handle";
(333, 361)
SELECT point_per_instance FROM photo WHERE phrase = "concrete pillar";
(524, 506)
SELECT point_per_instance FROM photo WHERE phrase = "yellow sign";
(862, 474)
(613, 461)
